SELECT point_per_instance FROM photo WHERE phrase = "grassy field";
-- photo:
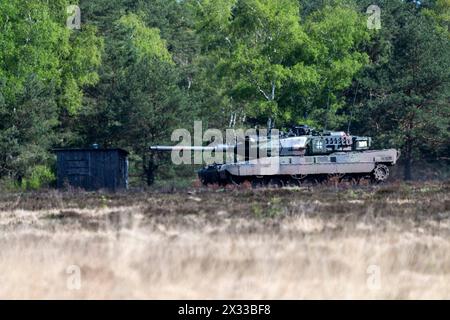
(390, 241)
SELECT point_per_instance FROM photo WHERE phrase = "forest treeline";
(138, 69)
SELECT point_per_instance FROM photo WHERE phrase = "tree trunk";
(149, 167)
(408, 161)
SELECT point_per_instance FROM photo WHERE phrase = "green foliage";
(139, 41)
(441, 12)
(26, 129)
(139, 99)
(37, 42)
(277, 66)
(43, 69)
(273, 209)
(137, 70)
(39, 177)
(406, 89)
(9, 185)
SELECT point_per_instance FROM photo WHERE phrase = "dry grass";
(233, 244)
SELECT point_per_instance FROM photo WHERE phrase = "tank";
(291, 158)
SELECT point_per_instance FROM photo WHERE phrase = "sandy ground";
(315, 242)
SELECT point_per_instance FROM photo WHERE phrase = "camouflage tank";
(291, 158)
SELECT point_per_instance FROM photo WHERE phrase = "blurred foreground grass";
(390, 241)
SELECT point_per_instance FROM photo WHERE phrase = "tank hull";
(297, 168)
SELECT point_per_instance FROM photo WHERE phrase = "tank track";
(211, 176)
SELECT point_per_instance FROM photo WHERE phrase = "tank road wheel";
(276, 183)
(292, 183)
(299, 178)
(356, 179)
(380, 173)
(296, 180)
(258, 182)
(234, 180)
(318, 179)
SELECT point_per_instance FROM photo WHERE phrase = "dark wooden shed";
(92, 169)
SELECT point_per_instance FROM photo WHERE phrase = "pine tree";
(405, 91)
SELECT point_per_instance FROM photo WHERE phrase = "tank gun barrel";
(217, 148)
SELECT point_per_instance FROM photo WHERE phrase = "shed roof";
(89, 150)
